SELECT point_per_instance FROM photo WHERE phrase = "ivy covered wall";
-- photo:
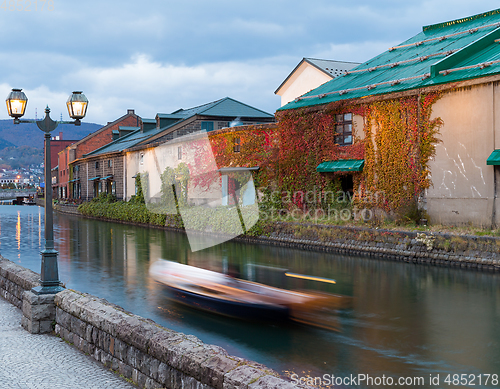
(397, 140)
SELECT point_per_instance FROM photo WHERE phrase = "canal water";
(407, 320)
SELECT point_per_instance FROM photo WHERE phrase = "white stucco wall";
(463, 185)
(156, 159)
(304, 79)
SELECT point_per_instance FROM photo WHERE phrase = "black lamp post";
(77, 108)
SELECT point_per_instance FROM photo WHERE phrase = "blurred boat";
(222, 294)
(29, 201)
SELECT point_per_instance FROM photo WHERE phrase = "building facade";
(70, 184)
(428, 113)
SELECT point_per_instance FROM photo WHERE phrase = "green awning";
(494, 158)
(342, 165)
(94, 178)
(106, 178)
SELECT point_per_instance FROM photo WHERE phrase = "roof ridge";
(113, 142)
(214, 104)
(330, 60)
(198, 106)
(461, 20)
(247, 105)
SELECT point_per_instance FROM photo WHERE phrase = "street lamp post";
(77, 108)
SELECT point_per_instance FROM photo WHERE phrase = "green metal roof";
(494, 158)
(448, 52)
(343, 165)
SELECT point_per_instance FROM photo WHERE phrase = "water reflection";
(407, 320)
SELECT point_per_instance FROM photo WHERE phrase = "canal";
(407, 320)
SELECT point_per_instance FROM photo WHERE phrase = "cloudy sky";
(161, 55)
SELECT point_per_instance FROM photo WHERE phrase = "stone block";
(208, 364)
(78, 326)
(136, 332)
(46, 326)
(104, 340)
(63, 318)
(32, 327)
(153, 368)
(90, 348)
(125, 370)
(161, 343)
(176, 354)
(115, 364)
(271, 382)
(95, 337)
(121, 350)
(151, 384)
(97, 354)
(192, 383)
(145, 363)
(133, 356)
(172, 378)
(240, 377)
(164, 374)
(88, 333)
(40, 311)
(106, 359)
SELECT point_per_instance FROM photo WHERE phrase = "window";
(221, 125)
(207, 126)
(236, 145)
(343, 129)
(141, 159)
(97, 164)
(179, 152)
(110, 163)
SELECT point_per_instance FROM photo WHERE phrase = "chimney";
(130, 111)
(60, 135)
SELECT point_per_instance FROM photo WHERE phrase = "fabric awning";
(494, 158)
(342, 165)
(94, 178)
(238, 169)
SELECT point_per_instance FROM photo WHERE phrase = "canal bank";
(136, 348)
(420, 247)
(407, 319)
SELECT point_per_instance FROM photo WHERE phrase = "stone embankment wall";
(67, 208)
(466, 251)
(63, 208)
(139, 349)
(15, 280)
(425, 247)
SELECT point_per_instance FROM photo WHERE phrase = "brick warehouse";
(69, 184)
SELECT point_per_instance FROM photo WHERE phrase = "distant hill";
(28, 134)
(4, 144)
(17, 157)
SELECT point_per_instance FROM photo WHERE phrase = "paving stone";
(45, 361)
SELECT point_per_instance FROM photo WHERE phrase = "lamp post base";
(50, 283)
(38, 290)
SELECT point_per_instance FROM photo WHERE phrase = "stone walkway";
(45, 361)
